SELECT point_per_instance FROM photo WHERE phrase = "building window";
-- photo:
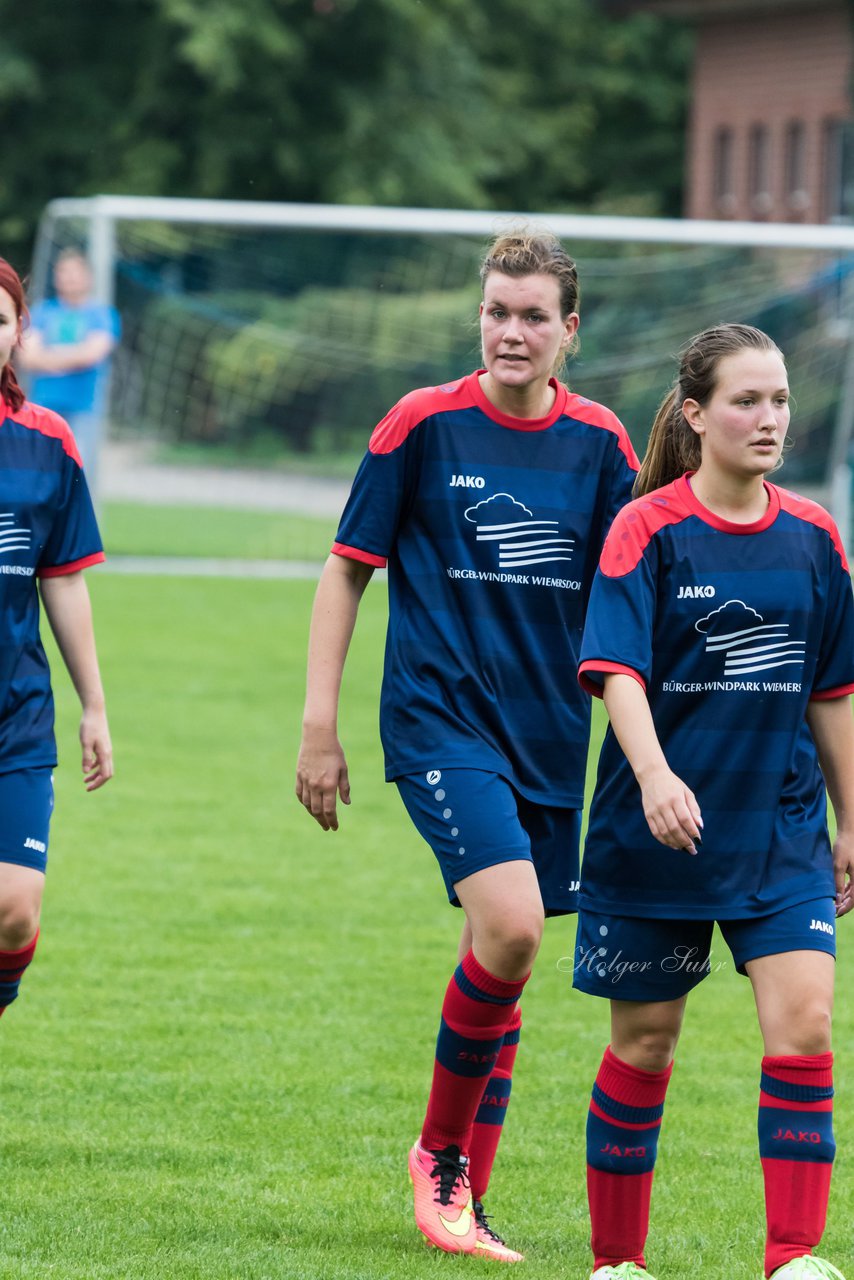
(759, 171)
(797, 196)
(838, 170)
(722, 172)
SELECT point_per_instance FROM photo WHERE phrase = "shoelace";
(482, 1220)
(451, 1168)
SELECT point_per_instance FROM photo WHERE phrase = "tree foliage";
(445, 103)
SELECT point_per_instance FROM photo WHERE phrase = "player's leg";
(26, 804)
(637, 965)
(470, 820)
(555, 836)
(794, 1001)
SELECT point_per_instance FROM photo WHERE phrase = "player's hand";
(672, 811)
(843, 870)
(322, 777)
(97, 762)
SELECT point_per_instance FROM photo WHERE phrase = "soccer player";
(489, 499)
(720, 631)
(48, 535)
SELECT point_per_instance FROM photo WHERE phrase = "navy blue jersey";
(491, 527)
(47, 527)
(731, 629)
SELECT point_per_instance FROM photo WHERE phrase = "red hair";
(11, 282)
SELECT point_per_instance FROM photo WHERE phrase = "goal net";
(279, 335)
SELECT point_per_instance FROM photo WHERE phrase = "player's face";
(744, 422)
(522, 331)
(10, 327)
(72, 279)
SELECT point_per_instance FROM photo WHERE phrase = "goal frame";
(101, 213)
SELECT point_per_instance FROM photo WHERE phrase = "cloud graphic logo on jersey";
(522, 538)
(12, 537)
(747, 642)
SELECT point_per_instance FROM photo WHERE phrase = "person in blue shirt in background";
(489, 499)
(48, 536)
(66, 352)
(720, 632)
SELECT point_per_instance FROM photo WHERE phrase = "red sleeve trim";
(604, 669)
(354, 553)
(58, 570)
(599, 415)
(827, 695)
(37, 418)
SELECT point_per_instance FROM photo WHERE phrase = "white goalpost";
(286, 330)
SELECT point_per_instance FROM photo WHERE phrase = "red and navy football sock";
(796, 1148)
(12, 966)
(623, 1124)
(488, 1122)
(475, 1014)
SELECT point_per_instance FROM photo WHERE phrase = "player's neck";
(532, 401)
(738, 499)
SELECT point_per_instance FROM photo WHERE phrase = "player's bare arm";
(670, 808)
(832, 727)
(69, 611)
(322, 775)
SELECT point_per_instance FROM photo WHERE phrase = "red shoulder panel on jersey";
(409, 412)
(598, 415)
(636, 525)
(604, 669)
(37, 418)
(806, 509)
(354, 553)
(58, 570)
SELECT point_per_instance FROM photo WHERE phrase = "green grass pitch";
(222, 1051)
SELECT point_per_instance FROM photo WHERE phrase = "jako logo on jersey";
(467, 482)
(694, 593)
(822, 926)
(433, 777)
(38, 845)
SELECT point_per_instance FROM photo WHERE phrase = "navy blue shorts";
(26, 804)
(473, 819)
(623, 958)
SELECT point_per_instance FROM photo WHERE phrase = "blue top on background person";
(66, 352)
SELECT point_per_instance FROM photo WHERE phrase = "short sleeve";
(620, 618)
(834, 675)
(74, 541)
(381, 494)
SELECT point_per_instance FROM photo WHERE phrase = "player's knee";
(19, 922)
(517, 939)
(809, 1031)
(651, 1048)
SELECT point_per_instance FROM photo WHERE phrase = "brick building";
(769, 136)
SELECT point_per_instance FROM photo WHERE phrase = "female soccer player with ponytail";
(489, 498)
(48, 535)
(721, 633)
